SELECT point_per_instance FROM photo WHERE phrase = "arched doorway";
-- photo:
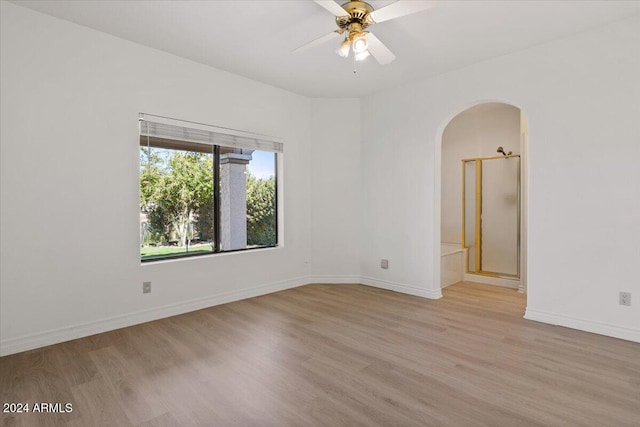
(482, 179)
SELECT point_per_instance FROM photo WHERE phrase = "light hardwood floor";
(336, 355)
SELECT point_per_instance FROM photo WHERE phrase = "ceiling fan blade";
(332, 7)
(400, 8)
(319, 40)
(379, 51)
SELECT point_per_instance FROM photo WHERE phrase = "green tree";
(261, 209)
(151, 174)
(174, 189)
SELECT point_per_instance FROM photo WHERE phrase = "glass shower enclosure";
(491, 215)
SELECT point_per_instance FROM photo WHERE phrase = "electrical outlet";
(146, 287)
(625, 298)
(384, 263)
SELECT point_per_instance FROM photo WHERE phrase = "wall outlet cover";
(625, 298)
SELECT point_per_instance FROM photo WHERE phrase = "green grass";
(167, 251)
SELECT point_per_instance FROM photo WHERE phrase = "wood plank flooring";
(335, 355)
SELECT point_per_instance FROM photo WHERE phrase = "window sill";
(208, 255)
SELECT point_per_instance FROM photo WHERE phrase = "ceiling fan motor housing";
(358, 14)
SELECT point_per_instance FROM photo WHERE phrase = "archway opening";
(483, 197)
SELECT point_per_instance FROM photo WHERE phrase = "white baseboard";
(400, 287)
(334, 279)
(54, 336)
(583, 325)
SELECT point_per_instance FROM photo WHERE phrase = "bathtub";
(452, 259)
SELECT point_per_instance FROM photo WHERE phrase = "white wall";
(335, 190)
(478, 132)
(397, 195)
(581, 96)
(70, 255)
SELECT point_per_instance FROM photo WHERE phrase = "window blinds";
(172, 129)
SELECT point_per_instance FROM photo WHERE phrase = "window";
(204, 189)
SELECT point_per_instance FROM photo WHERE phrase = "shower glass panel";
(491, 215)
(500, 216)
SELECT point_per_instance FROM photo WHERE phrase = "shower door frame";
(478, 216)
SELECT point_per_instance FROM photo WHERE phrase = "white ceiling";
(255, 38)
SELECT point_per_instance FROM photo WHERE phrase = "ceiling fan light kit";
(354, 18)
(343, 49)
(361, 56)
(359, 43)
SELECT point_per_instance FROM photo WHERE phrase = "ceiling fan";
(354, 18)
